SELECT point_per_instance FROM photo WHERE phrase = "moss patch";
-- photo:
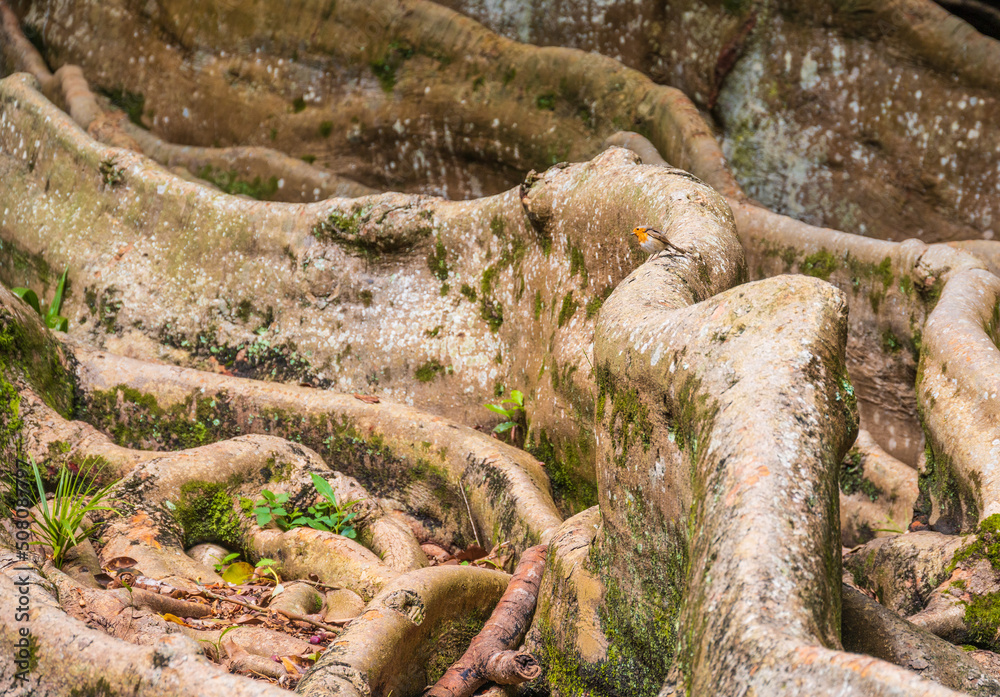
(136, 420)
(437, 261)
(986, 545)
(231, 183)
(568, 309)
(428, 371)
(852, 479)
(449, 642)
(572, 490)
(205, 513)
(820, 265)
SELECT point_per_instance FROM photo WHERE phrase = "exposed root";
(68, 656)
(394, 644)
(490, 656)
(871, 629)
(877, 493)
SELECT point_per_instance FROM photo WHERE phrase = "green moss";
(890, 344)
(449, 642)
(308, 159)
(570, 489)
(852, 479)
(244, 310)
(231, 183)
(629, 420)
(468, 292)
(136, 420)
(489, 309)
(982, 617)
(568, 309)
(298, 105)
(875, 299)
(366, 298)
(428, 371)
(884, 271)
(546, 101)
(595, 303)
(132, 103)
(820, 265)
(938, 482)
(437, 261)
(986, 545)
(28, 350)
(325, 128)
(642, 601)
(205, 513)
(432, 333)
(577, 265)
(539, 305)
(385, 68)
(905, 285)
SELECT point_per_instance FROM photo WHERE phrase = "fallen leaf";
(367, 398)
(471, 553)
(120, 563)
(238, 572)
(173, 618)
(289, 666)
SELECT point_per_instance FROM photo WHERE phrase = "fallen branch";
(490, 657)
(287, 613)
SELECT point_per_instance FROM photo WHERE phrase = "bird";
(653, 241)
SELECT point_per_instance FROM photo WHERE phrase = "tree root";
(390, 647)
(871, 629)
(961, 365)
(882, 489)
(903, 570)
(521, 511)
(490, 656)
(67, 655)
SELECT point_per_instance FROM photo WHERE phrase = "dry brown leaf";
(367, 398)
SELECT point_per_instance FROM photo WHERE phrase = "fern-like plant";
(58, 524)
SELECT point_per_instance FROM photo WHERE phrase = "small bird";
(653, 241)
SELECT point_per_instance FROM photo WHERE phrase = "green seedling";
(51, 316)
(511, 413)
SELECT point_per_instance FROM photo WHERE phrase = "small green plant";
(217, 644)
(57, 525)
(327, 515)
(272, 507)
(111, 173)
(225, 562)
(512, 414)
(53, 320)
(267, 565)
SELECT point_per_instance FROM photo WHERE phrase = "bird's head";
(640, 234)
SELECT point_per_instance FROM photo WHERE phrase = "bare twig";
(287, 613)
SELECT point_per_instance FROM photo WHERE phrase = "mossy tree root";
(506, 488)
(405, 632)
(877, 493)
(299, 180)
(871, 629)
(903, 570)
(957, 390)
(684, 367)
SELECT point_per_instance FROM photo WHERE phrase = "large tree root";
(61, 654)
(678, 357)
(405, 632)
(877, 493)
(491, 656)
